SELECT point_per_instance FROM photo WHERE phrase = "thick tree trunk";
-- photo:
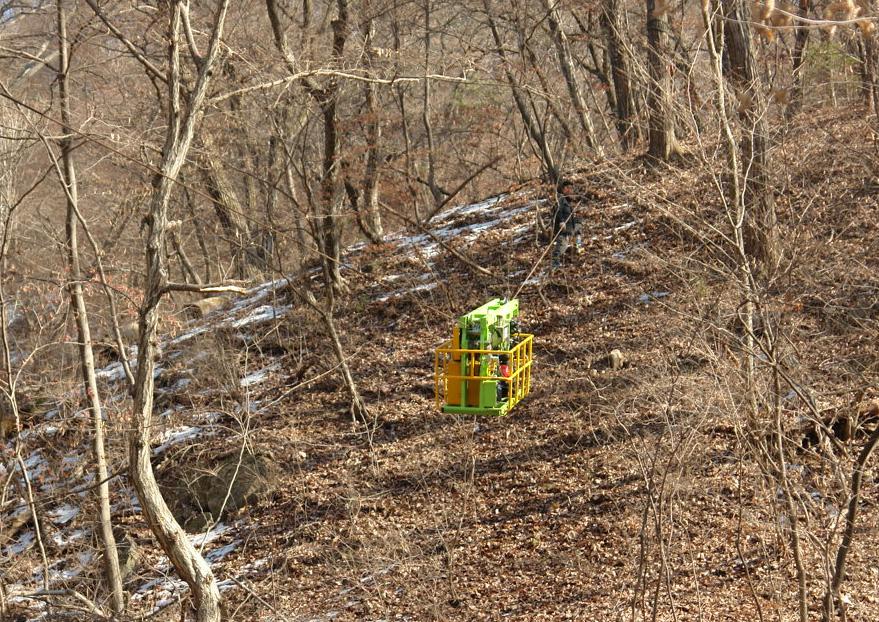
(869, 68)
(759, 200)
(80, 314)
(663, 144)
(230, 211)
(624, 101)
(799, 54)
(190, 565)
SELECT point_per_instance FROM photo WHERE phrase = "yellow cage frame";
(520, 359)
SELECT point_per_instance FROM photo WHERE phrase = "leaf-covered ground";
(625, 494)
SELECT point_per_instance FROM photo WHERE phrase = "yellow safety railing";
(519, 357)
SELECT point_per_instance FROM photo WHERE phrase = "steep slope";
(607, 494)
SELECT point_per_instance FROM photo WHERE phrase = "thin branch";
(151, 69)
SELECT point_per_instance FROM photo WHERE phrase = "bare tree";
(758, 196)
(326, 95)
(663, 143)
(566, 66)
(535, 132)
(617, 52)
(67, 176)
(182, 124)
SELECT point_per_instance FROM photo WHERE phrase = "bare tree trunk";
(199, 235)
(758, 197)
(328, 226)
(624, 101)
(230, 212)
(663, 144)
(190, 565)
(86, 355)
(566, 65)
(368, 214)
(870, 63)
(848, 535)
(799, 54)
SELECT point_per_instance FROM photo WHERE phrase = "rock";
(197, 497)
(616, 360)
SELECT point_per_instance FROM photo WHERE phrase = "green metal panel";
(485, 328)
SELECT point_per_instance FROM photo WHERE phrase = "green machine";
(486, 367)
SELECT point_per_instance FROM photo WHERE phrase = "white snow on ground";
(646, 298)
(113, 372)
(407, 290)
(259, 376)
(201, 539)
(24, 542)
(63, 514)
(188, 335)
(177, 435)
(221, 552)
(261, 314)
(59, 538)
(466, 210)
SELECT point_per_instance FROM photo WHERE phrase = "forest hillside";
(233, 235)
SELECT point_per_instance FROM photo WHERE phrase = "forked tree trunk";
(188, 562)
(327, 226)
(759, 200)
(368, 214)
(80, 314)
(231, 213)
(663, 144)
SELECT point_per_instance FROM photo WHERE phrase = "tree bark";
(759, 200)
(327, 227)
(190, 565)
(802, 38)
(663, 144)
(624, 101)
(80, 314)
(368, 212)
(230, 211)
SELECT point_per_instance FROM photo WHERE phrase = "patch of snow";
(59, 539)
(465, 210)
(259, 376)
(408, 290)
(221, 552)
(177, 435)
(628, 225)
(188, 335)
(63, 514)
(112, 372)
(200, 539)
(36, 465)
(24, 543)
(69, 464)
(262, 313)
(646, 298)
